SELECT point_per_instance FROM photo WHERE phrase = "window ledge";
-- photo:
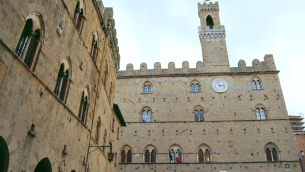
(195, 92)
(146, 93)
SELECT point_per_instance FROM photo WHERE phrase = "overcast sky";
(167, 30)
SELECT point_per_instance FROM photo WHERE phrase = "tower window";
(210, 22)
(272, 152)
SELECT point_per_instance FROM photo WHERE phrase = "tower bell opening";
(210, 22)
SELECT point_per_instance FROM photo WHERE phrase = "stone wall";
(26, 94)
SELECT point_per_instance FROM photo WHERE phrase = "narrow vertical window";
(258, 116)
(129, 158)
(123, 155)
(258, 85)
(59, 79)
(193, 88)
(207, 155)
(200, 156)
(25, 35)
(173, 157)
(143, 116)
(268, 155)
(145, 89)
(104, 140)
(148, 116)
(178, 153)
(118, 133)
(196, 116)
(153, 156)
(254, 85)
(64, 85)
(29, 57)
(263, 113)
(149, 89)
(197, 88)
(147, 156)
(274, 154)
(201, 115)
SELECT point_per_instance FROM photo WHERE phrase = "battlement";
(208, 6)
(257, 66)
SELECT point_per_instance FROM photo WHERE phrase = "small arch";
(4, 155)
(209, 21)
(43, 166)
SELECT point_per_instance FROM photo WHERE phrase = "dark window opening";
(210, 22)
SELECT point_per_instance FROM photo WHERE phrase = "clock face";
(220, 85)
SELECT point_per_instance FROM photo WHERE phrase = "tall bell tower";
(212, 38)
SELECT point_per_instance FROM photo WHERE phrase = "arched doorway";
(4, 155)
(43, 166)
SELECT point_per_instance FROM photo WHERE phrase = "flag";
(178, 159)
(170, 155)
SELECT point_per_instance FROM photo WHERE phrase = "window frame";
(145, 113)
(256, 83)
(147, 87)
(195, 86)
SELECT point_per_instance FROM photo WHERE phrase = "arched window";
(104, 140)
(260, 112)
(210, 22)
(272, 152)
(153, 156)
(147, 156)
(94, 47)
(200, 156)
(175, 154)
(150, 153)
(78, 16)
(147, 87)
(83, 108)
(195, 86)
(123, 156)
(63, 81)
(29, 44)
(125, 149)
(256, 83)
(199, 113)
(204, 153)
(98, 126)
(146, 114)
